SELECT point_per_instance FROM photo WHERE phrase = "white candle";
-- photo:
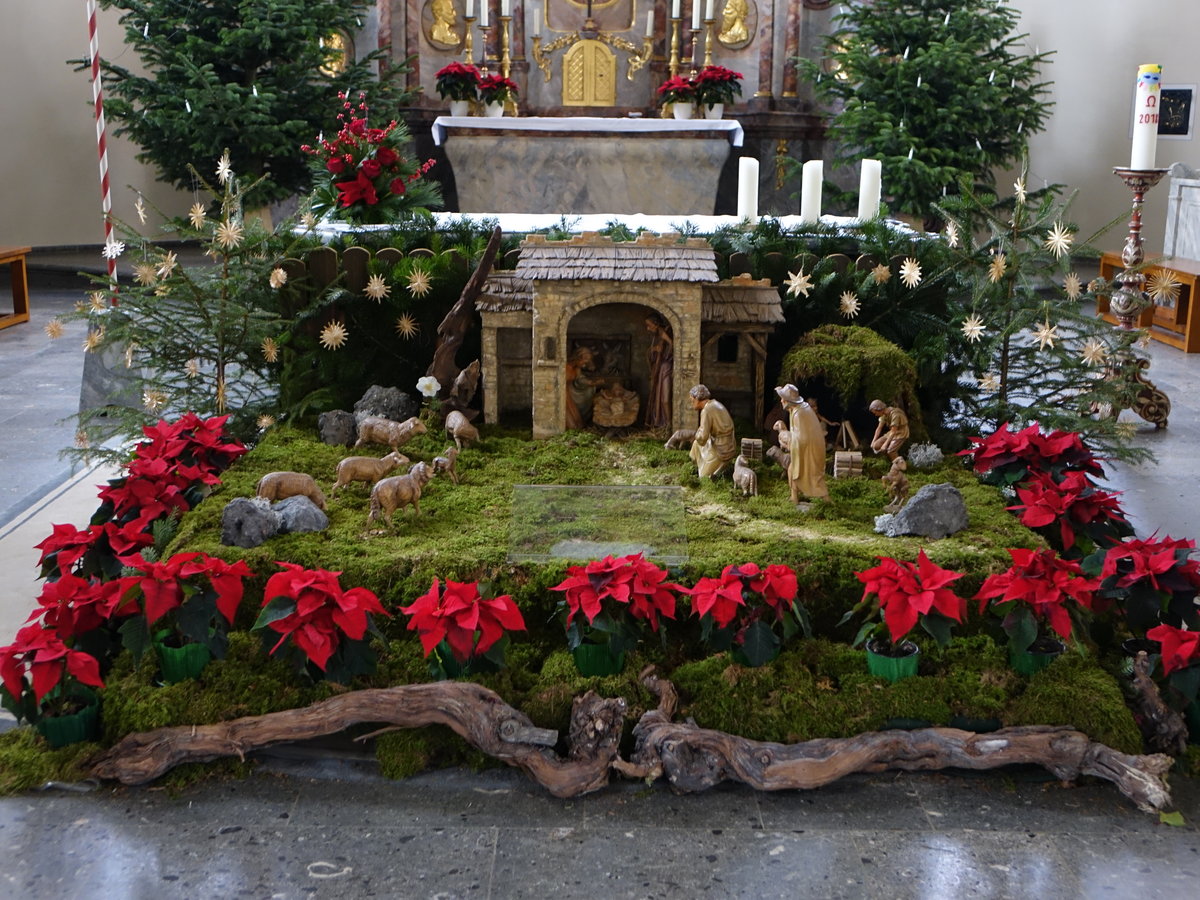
(537, 22)
(483, 13)
(869, 183)
(506, 8)
(470, 11)
(649, 23)
(1145, 116)
(812, 175)
(708, 10)
(695, 15)
(747, 195)
(675, 9)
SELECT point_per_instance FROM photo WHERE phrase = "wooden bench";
(15, 258)
(1176, 323)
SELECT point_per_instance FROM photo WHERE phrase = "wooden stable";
(1176, 324)
(14, 257)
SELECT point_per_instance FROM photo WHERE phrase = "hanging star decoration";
(270, 350)
(145, 273)
(278, 278)
(54, 328)
(97, 300)
(229, 235)
(1094, 352)
(952, 236)
(113, 249)
(418, 282)
(989, 382)
(1019, 190)
(997, 267)
(334, 335)
(153, 400)
(82, 441)
(196, 215)
(140, 208)
(910, 272)
(1058, 240)
(162, 289)
(972, 328)
(264, 422)
(224, 170)
(1127, 430)
(881, 274)
(192, 368)
(168, 264)
(309, 221)
(407, 327)
(95, 337)
(129, 352)
(1046, 335)
(377, 288)
(1163, 289)
(848, 304)
(798, 284)
(1073, 285)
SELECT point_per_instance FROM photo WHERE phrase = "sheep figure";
(783, 436)
(397, 492)
(463, 432)
(366, 468)
(276, 486)
(681, 439)
(744, 477)
(780, 456)
(378, 430)
(444, 464)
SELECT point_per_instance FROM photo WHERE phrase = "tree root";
(689, 757)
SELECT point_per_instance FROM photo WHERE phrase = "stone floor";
(312, 823)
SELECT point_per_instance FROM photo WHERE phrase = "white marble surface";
(1183, 216)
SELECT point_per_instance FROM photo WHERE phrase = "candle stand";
(1129, 300)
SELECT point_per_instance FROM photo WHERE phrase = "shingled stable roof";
(504, 291)
(590, 257)
(742, 300)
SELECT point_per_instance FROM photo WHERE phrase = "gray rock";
(936, 511)
(247, 523)
(388, 402)
(337, 427)
(297, 514)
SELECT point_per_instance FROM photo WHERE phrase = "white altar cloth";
(610, 124)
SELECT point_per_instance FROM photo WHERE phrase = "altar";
(588, 164)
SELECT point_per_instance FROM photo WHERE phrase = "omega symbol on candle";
(1149, 79)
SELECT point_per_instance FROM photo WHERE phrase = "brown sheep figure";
(399, 491)
(276, 486)
(444, 464)
(463, 432)
(366, 468)
(378, 430)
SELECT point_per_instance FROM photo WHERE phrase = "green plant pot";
(596, 659)
(181, 663)
(60, 731)
(893, 668)
(1040, 654)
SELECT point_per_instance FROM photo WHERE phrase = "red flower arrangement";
(717, 84)
(38, 667)
(742, 607)
(1007, 457)
(1039, 588)
(457, 81)
(363, 175)
(325, 623)
(677, 90)
(1075, 505)
(74, 606)
(1180, 647)
(905, 594)
(497, 89)
(1150, 581)
(460, 620)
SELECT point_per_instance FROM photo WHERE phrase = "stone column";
(791, 48)
(766, 56)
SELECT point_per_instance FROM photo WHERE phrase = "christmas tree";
(936, 89)
(253, 76)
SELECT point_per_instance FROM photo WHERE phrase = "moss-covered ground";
(816, 688)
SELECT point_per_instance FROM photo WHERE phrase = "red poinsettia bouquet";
(1039, 590)
(463, 627)
(457, 81)
(717, 84)
(1148, 581)
(677, 90)
(1072, 513)
(497, 89)
(364, 174)
(615, 597)
(1007, 457)
(322, 625)
(750, 610)
(41, 676)
(897, 595)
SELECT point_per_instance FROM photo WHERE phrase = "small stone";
(387, 402)
(247, 523)
(936, 511)
(299, 514)
(337, 427)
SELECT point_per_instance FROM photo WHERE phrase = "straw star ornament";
(1073, 285)
(848, 304)
(334, 335)
(418, 282)
(798, 284)
(997, 267)
(972, 328)
(1058, 241)
(1094, 353)
(882, 274)
(407, 327)
(197, 216)
(910, 272)
(377, 288)
(278, 278)
(1046, 335)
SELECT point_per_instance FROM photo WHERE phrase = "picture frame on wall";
(1177, 112)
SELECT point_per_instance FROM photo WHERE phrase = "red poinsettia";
(1072, 502)
(457, 81)
(72, 606)
(1014, 454)
(1039, 587)
(745, 589)
(1180, 648)
(717, 84)
(470, 623)
(310, 607)
(1166, 564)
(677, 90)
(38, 660)
(65, 547)
(619, 586)
(497, 89)
(165, 586)
(907, 593)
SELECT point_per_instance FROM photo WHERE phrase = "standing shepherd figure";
(661, 359)
(806, 467)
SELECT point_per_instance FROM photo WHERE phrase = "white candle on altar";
(1145, 116)
(675, 9)
(812, 175)
(483, 13)
(747, 195)
(708, 10)
(537, 22)
(869, 185)
(506, 8)
(649, 23)
(469, 13)
(695, 15)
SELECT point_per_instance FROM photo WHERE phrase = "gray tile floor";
(320, 827)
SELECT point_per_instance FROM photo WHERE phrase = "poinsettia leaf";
(278, 608)
(1093, 563)
(938, 627)
(1021, 627)
(761, 644)
(135, 636)
(863, 633)
(1187, 682)
(194, 618)
(800, 612)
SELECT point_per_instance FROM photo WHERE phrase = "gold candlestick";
(673, 62)
(505, 53)
(709, 24)
(468, 39)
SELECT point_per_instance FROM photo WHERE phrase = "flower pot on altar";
(460, 107)
(895, 663)
(683, 110)
(1036, 657)
(716, 111)
(493, 110)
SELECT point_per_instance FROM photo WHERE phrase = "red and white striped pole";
(101, 135)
